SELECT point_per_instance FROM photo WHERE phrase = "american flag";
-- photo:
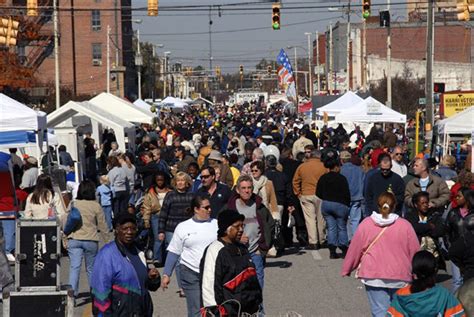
(285, 74)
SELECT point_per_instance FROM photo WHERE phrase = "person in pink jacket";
(381, 252)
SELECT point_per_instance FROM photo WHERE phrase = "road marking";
(316, 255)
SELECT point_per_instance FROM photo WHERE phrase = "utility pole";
(56, 54)
(139, 63)
(108, 59)
(210, 42)
(296, 74)
(330, 78)
(310, 89)
(117, 59)
(317, 60)
(348, 62)
(389, 61)
(364, 55)
(429, 64)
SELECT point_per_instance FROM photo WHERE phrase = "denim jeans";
(108, 216)
(9, 235)
(457, 279)
(379, 299)
(190, 284)
(257, 259)
(335, 215)
(168, 237)
(355, 215)
(157, 253)
(77, 250)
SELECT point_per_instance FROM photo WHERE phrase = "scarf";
(259, 189)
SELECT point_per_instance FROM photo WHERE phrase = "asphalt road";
(300, 283)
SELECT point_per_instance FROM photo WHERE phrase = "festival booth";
(21, 126)
(8, 202)
(74, 119)
(121, 108)
(460, 123)
(347, 101)
(142, 105)
(370, 110)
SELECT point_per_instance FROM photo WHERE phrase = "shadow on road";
(280, 264)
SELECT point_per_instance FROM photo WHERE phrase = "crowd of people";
(210, 194)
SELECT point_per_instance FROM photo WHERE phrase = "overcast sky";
(239, 47)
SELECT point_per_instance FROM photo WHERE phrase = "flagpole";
(296, 77)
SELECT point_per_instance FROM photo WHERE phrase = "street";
(301, 283)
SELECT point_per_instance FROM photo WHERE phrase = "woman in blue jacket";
(121, 280)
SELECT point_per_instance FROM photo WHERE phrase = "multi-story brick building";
(453, 53)
(83, 46)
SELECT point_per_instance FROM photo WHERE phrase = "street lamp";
(165, 71)
(138, 59)
(310, 76)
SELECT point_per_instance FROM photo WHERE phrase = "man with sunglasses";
(217, 192)
(384, 180)
(398, 165)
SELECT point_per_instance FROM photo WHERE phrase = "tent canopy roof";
(121, 108)
(15, 116)
(361, 113)
(460, 123)
(87, 109)
(346, 101)
(143, 105)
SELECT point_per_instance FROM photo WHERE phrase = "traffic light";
(276, 15)
(241, 70)
(464, 8)
(218, 71)
(269, 69)
(365, 9)
(32, 8)
(439, 88)
(8, 31)
(152, 7)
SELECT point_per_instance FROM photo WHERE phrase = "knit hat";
(345, 155)
(31, 160)
(226, 219)
(124, 217)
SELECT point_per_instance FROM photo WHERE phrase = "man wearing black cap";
(227, 271)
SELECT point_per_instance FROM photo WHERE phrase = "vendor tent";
(343, 103)
(18, 123)
(173, 102)
(61, 121)
(121, 108)
(140, 104)
(460, 123)
(370, 110)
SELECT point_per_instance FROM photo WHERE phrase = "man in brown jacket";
(434, 185)
(305, 182)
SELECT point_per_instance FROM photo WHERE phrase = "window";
(96, 54)
(95, 20)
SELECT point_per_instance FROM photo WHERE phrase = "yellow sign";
(456, 102)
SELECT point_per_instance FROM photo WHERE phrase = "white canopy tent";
(370, 110)
(20, 125)
(140, 104)
(66, 129)
(121, 108)
(343, 103)
(460, 123)
(173, 102)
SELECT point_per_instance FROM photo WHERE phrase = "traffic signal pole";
(429, 66)
(389, 61)
(56, 54)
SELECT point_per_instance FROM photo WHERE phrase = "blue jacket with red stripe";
(228, 273)
(116, 290)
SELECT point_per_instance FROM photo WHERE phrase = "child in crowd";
(105, 194)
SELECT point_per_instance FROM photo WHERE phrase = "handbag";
(73, 221)
(367, 251)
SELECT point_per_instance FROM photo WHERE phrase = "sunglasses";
(255, 171)
(206, 207)
(205, 176)
(399, 154)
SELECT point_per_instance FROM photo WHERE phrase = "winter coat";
(389, 257)
(437, 188)
(461, 253)
(307, 176)
(227, 272)
(151, 205)
(116, 290)
(377, 184)
(174, 210)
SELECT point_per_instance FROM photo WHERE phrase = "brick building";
(83, 48)
(453, 52)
